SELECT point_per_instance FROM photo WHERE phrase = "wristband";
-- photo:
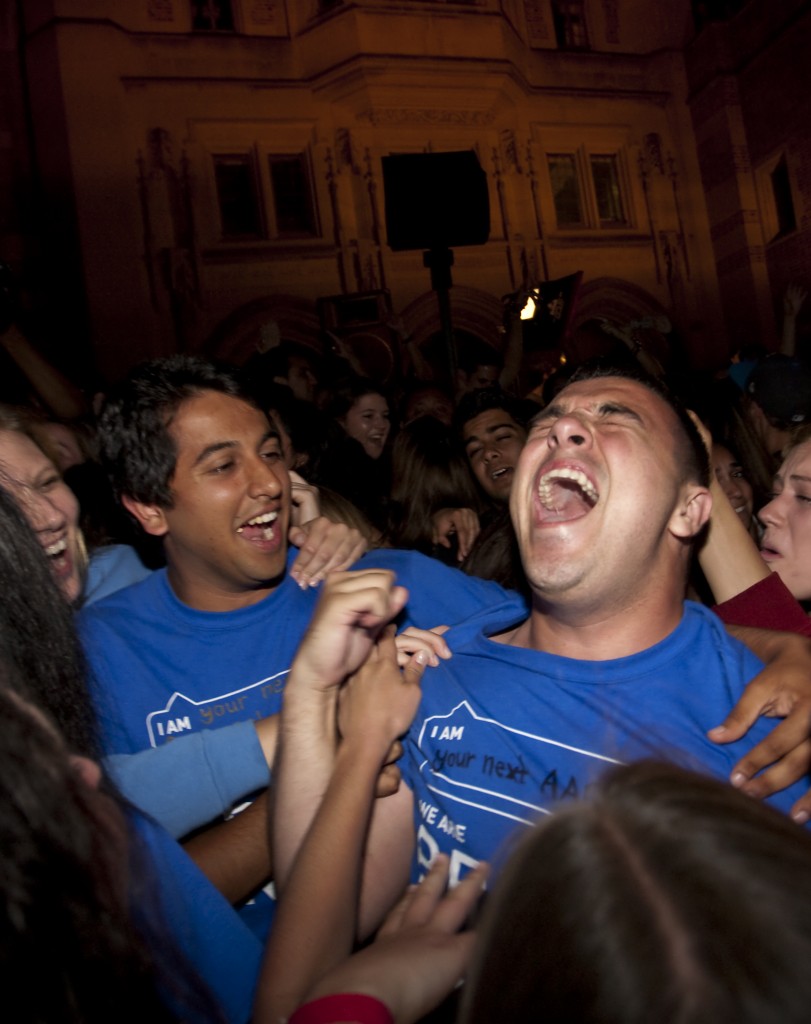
(345, 1007)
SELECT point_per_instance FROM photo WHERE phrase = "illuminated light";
(528, 312)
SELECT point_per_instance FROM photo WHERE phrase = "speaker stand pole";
(439, 262)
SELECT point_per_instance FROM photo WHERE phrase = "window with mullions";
(212, 16)
(293, 207)
(264, 197)
(607, 191)
(587, 190)
(238, 197)
(565, 190)
(569, 19)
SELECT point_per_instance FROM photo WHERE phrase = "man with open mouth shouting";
(610, 665)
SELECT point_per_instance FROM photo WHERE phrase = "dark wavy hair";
(137, 448)
(666, 896)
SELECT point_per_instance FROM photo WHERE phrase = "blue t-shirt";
(162, 670)
(505, 735)
(111, 568)
(202, 926)
(210, 772)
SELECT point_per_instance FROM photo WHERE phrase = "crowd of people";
(294, 667)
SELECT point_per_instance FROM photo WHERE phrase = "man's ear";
(150, 518)
(692, 513)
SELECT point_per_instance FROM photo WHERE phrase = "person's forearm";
(788, 338)
(308, 736)
(61, 396)
(315, 924)
(513, 352)
(729, 557)
(235, 854)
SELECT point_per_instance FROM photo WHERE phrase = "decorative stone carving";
(399, 115)
(612, 21)
(653, 151)
(537, 22)
(160, 10)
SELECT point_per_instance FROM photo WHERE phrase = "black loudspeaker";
(435, 200)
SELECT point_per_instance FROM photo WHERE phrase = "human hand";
(793, 299)
(460, 521)
(325, 547)
(782, 689)
(379, 701)
(418, 957)
(304, 500)
(413, 640)
(388, 781)
(351, 612)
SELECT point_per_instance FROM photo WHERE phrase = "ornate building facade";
(194, 169)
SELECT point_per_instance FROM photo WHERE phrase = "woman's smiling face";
(48, 504)
(367, 421)
(729, 474)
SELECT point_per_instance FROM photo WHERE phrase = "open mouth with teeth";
(59, 547)
(565, 494)
(60, 558)
(260, 528)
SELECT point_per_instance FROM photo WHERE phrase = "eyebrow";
(796, 477)
(221, 446)
(489, 430)
(556, 410)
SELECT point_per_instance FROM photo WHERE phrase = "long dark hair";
(37, 633)
(668, 896)
(68, 950)
(429, 473)
(70, 947)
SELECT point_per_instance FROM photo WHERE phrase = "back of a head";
(474, 353)
(667, 897)
(137, 449)
(781, 386)
(68, 950)
(429, 473)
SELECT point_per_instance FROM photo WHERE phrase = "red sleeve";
(344, 1008)
(768, 604)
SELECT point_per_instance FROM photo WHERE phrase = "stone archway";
(627, 309)
(476, 316)
(473, 311)
(239, 335)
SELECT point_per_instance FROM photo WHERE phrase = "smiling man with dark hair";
(209, 640)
